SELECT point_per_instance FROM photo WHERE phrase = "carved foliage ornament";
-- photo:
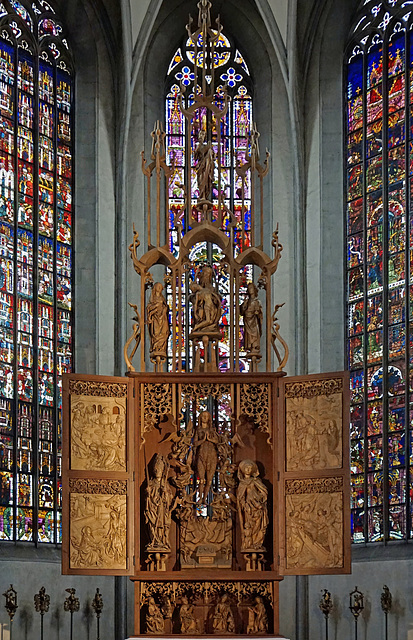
(314, 485)
(255, 404)
(91, 388)
(206, 590)
(202, 390)
(110, 487)
(311, 388)
(157, 403)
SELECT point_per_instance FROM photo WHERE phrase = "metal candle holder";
(386, 603)
(356, 606)
(326, 605)
(97, 605)
(71, 604)
(41, 604)
(11, 605)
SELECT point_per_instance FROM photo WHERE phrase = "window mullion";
(36, 413)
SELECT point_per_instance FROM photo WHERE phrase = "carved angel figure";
(159, 506)
(155, 623)
(223, 620)
(251, 311)
(205, 158)
(206, 445)
(206, 303)
(187, 617)
(157, 318)
(257, 617)
(252, 507)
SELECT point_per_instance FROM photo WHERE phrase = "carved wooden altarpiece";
(206, 485)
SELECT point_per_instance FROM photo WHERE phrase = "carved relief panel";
(314, 491)
(97, 475)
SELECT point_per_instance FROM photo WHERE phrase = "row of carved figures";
(219, 620)
(206, 310)
(251, 498)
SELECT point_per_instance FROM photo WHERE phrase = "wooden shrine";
(205, 486)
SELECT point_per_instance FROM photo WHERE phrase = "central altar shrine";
(205, 477)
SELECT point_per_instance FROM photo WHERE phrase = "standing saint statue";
(206, 303)
(252, 507)
(206, 445)
(223, 620)
(205, 159)
(157, 318)
(251, 311)
(159, 507)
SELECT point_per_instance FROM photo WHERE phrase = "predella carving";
(98, 433)
(314, 428)
(223, 618)
(213, 608)
(314, 527)
(257, 618)
(97, 531)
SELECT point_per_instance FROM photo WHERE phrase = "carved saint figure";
(257, 617)
(187, 617)
(115, 538)
(223, 620)
(206, 303)
(205, 159)
(155, 623)
(88, 548)
(159, 506)
(251, 311)
(252, 507)
(205, 442)
(158, 321)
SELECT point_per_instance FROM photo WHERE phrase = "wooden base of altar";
(209, 637)
(241, 588)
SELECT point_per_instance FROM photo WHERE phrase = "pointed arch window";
(379, 179)
(36, 137)
(231, 70)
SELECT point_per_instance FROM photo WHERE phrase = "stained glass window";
(35, 265)
(379, 137)
(231, 70)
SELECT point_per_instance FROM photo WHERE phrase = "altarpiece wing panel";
(97, 475)
(314, 487)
